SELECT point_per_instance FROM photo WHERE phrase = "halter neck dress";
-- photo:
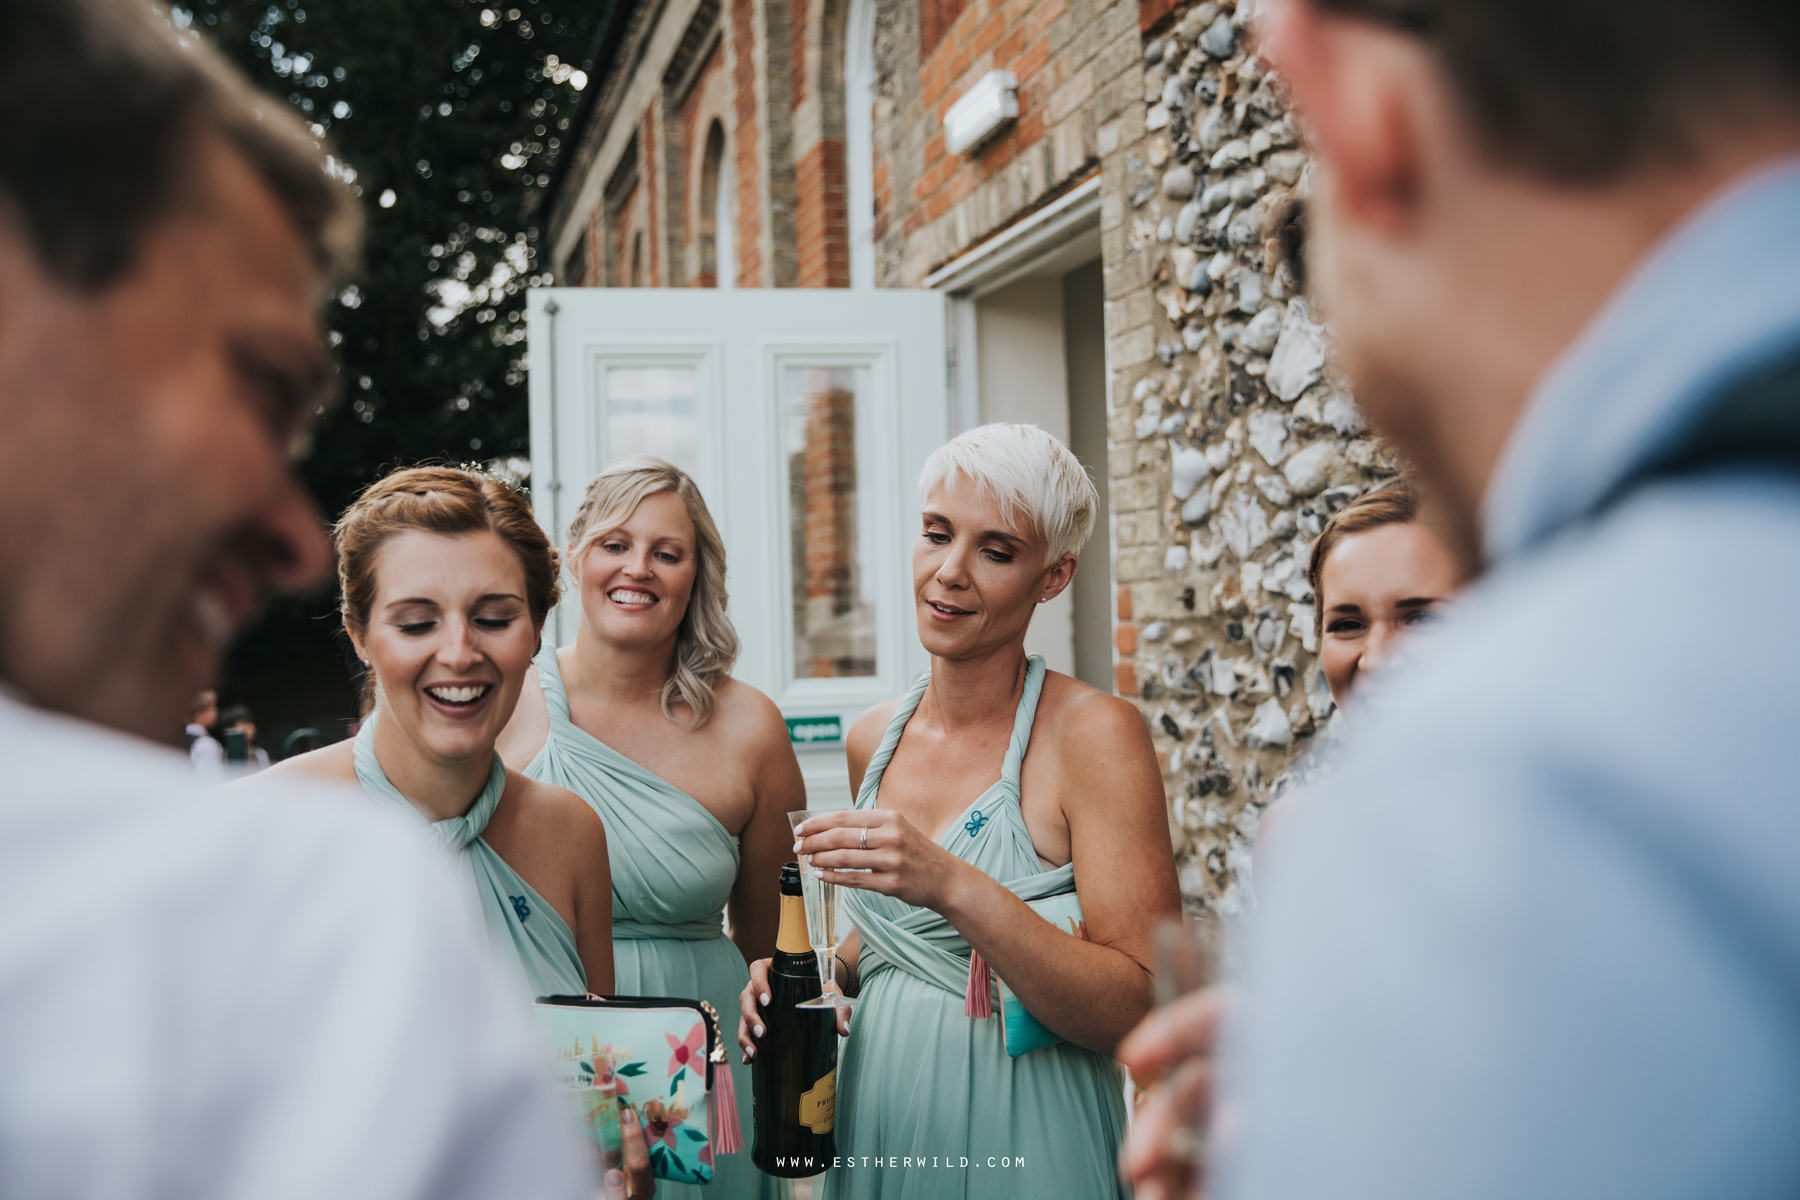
(918, 1079)
(516, 916)
(673, 866)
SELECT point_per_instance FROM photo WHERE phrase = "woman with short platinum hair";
(991, 784)
(1029, 473)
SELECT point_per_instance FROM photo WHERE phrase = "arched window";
(718, 259)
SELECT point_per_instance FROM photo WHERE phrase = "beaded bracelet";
(849, 976)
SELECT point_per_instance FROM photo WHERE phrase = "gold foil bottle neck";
(791, 936)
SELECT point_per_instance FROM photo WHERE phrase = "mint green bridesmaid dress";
(515, 914)
(673, 866)
(919, 1080)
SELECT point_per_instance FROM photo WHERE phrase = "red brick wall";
(829, 469)
(1079, 64)
(744, 145)
(820, 216)
(990, 35)
(935, 17)
(797, 13)
(593, 269)
(624, 222)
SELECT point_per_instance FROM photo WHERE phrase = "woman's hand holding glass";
(1170, 1055)
(882, 851)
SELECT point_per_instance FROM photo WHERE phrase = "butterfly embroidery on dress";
(973, 825)
(520, 907)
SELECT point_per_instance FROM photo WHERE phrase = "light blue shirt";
(1541, 938)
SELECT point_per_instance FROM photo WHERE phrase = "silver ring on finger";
(863, 843)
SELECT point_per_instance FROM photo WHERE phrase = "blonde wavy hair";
(706, 645)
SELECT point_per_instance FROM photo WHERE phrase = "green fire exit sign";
(807, 731)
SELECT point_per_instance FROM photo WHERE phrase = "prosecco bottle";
(794, 1074)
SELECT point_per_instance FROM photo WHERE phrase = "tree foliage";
(445, 116)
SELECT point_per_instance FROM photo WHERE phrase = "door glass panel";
(651, 410)
(826, 428)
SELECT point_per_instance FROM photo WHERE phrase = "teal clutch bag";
(1024, 1032)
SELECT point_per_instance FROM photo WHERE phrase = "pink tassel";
(977, 1002)
(727, 1136)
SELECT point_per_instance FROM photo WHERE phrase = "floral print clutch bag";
(657, 1054)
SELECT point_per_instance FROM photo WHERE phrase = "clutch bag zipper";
(715, 1038)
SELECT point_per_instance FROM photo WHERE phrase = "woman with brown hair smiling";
(1378, 570)
(446, 581)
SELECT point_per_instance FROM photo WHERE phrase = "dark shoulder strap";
(1753, 423)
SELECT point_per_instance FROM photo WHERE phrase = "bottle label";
(790, 938)
(818, 1107)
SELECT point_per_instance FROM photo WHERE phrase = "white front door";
(805, 417)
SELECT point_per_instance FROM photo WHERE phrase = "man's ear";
(1356, 85)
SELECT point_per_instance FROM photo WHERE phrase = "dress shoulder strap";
(455, 832)
(1022, 722)
(909, 704)
(556, 697)
(1015, 749)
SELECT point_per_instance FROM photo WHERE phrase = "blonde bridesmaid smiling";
(691, 770)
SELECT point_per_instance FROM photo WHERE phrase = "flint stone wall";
(1230, 441)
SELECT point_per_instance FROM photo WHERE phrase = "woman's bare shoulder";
(555, 809)
(865, 737)
(335, 763)
(548, 797)
(866, 731)
(745, 710)
(1085, 714)
(748, 725)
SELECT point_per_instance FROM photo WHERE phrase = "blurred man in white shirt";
(198, 997)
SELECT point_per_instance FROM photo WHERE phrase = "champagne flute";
(1187, 956)
(824, 924)
(1188, 953)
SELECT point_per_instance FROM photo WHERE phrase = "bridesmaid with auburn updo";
(446, 581)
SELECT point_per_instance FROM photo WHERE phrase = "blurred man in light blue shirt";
(1542, 936)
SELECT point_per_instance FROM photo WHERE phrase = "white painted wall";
(1084, 346)
(1023, 379)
